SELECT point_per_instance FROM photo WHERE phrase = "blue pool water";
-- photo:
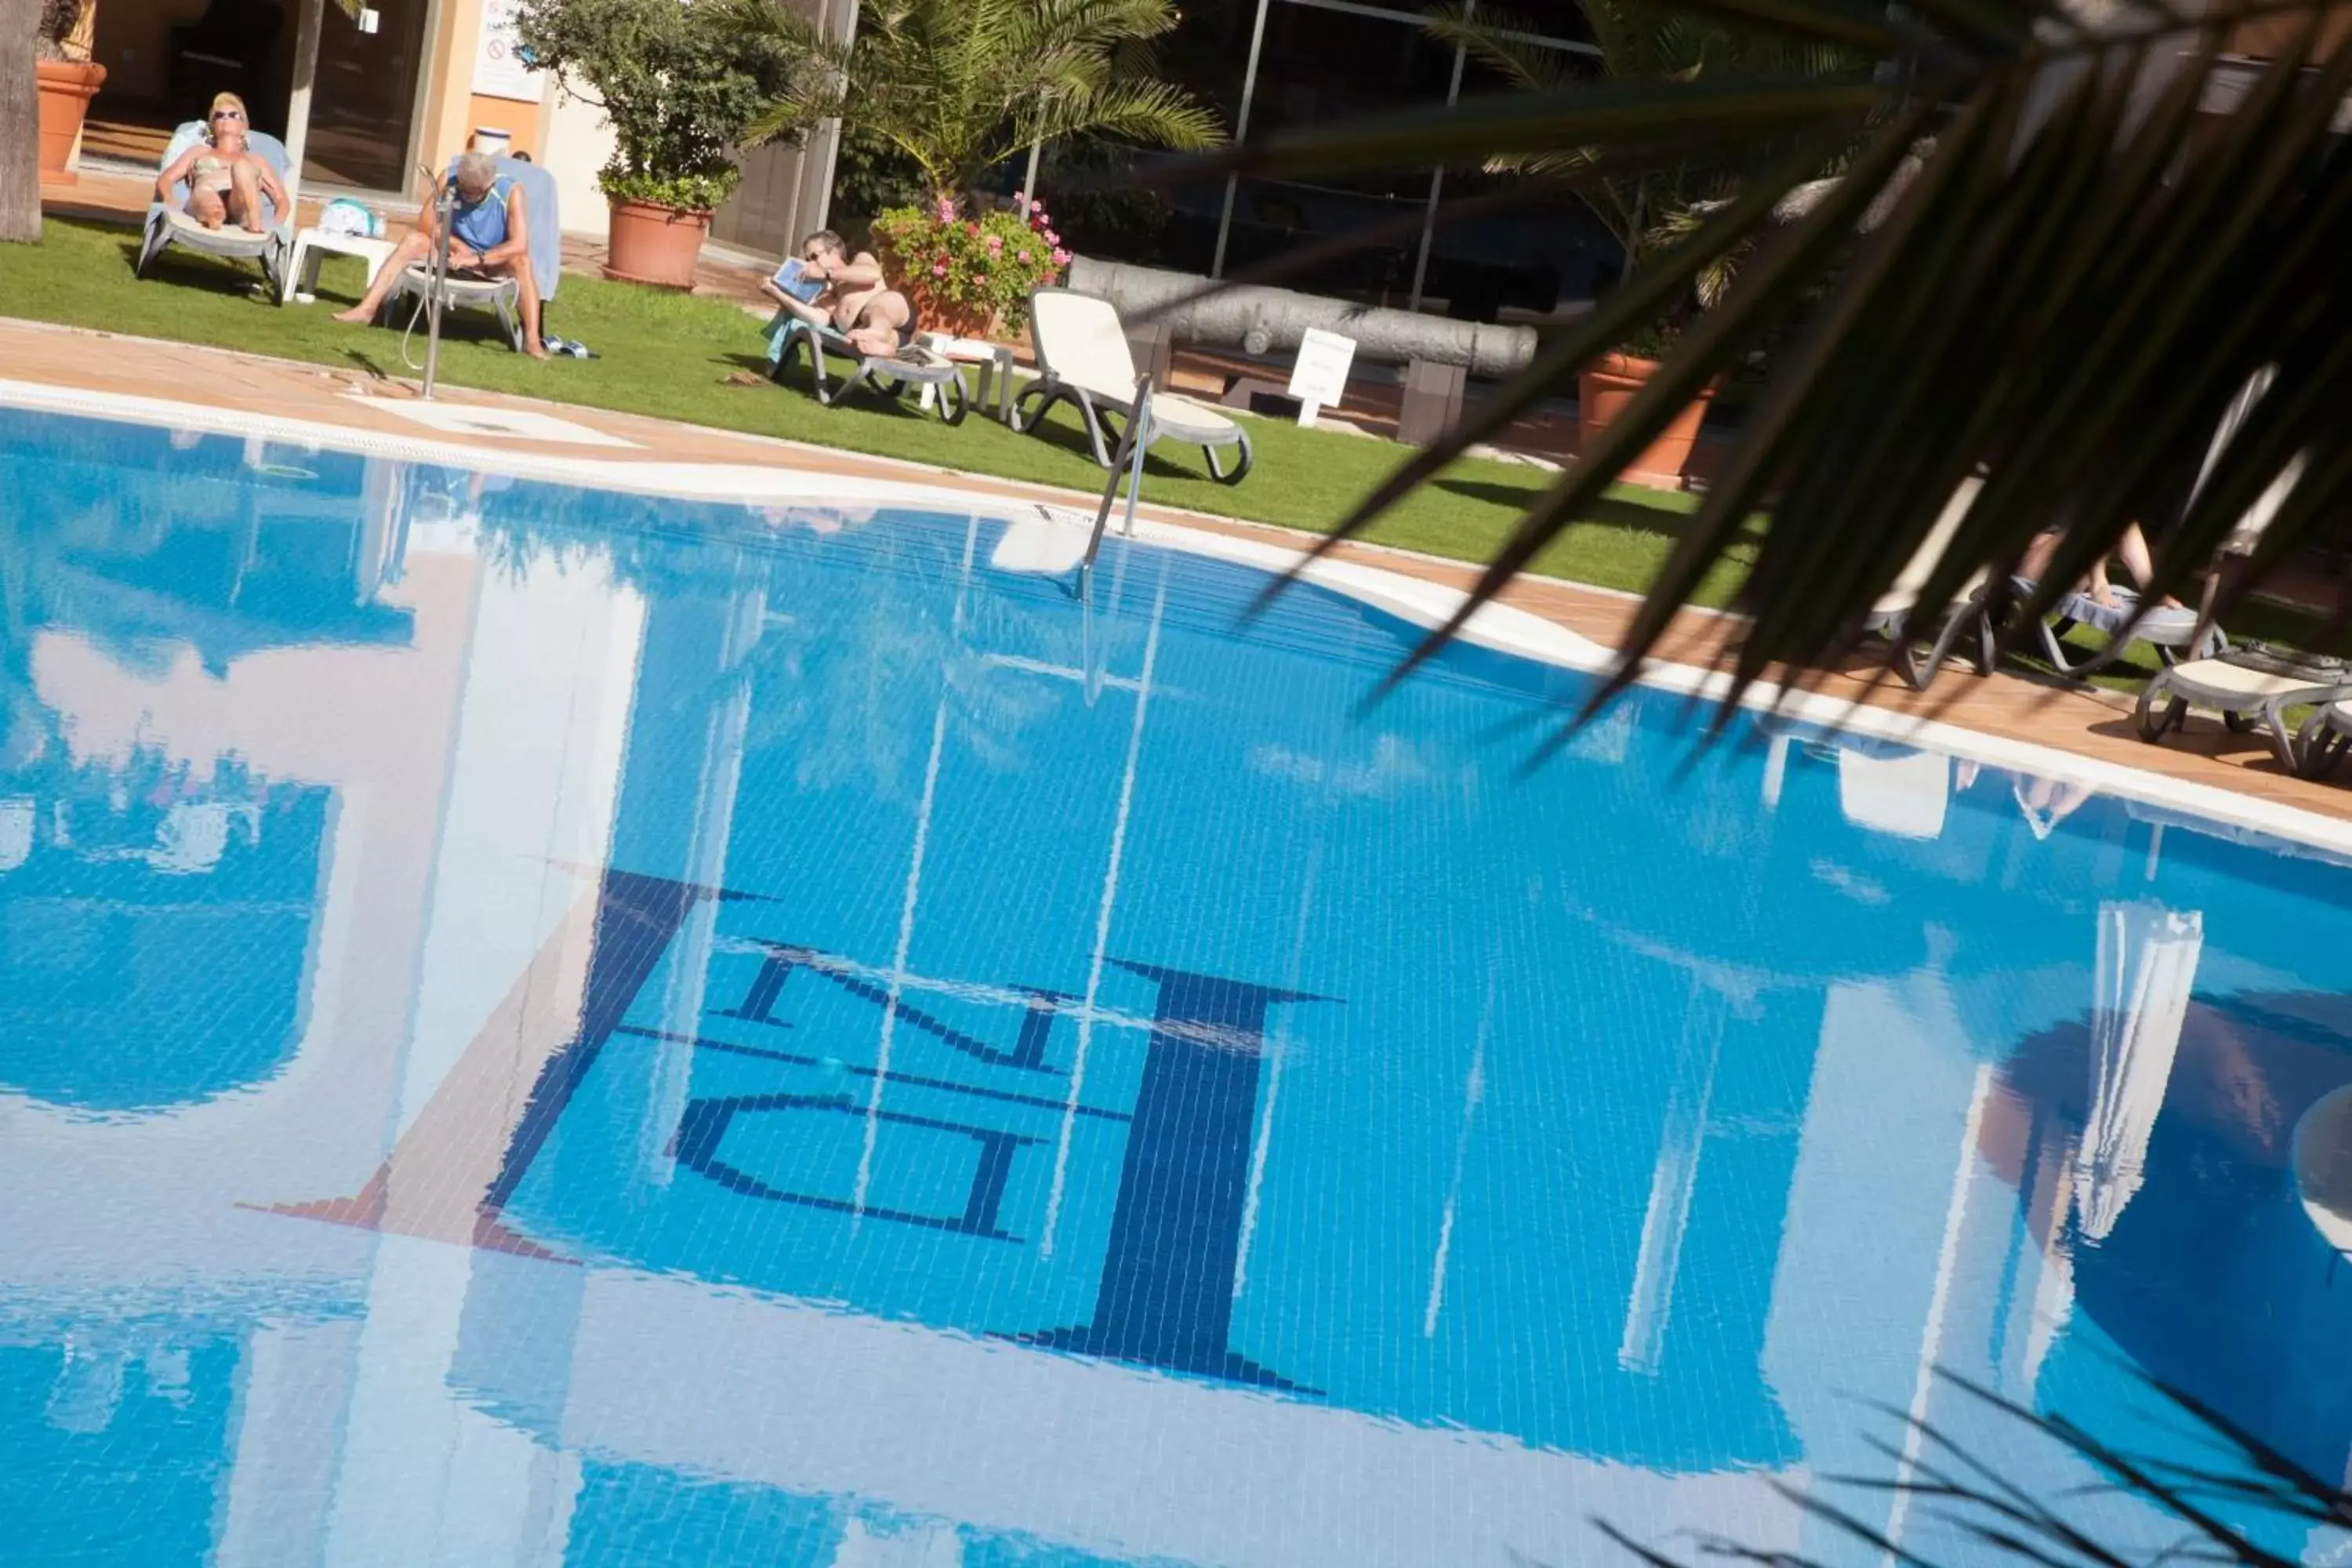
(540, 1026)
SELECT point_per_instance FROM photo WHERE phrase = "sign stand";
(1319, 380)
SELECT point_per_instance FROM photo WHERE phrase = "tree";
(20, 136)
(2047, 256)
(960, 86)
(678, 83)
(1652, 203)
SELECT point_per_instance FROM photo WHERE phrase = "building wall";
(786, 190)
(579, 141)
(452, 109)
(783, 196)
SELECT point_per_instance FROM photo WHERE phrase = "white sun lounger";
(2246, 686)
(2167, 629)
(1892, 616)
(543, 218)
(916, 364)
(1082, 356)
(2325, 736)
(168, 222)
(2247, 689)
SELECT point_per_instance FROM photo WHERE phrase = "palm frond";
(957, 86)
(2029, 243)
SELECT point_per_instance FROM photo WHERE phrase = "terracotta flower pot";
(935, 312)
(1604, 388)
(953, 316)
(655, 244)
(66, 88)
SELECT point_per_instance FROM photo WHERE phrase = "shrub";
(677, 79)
(53, 26)
(990, 261)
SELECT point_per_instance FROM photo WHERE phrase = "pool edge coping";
(1502, 628)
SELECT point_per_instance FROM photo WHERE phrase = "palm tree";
(1652, 204)
(959, 86)
(2066, 235)
(20, 176)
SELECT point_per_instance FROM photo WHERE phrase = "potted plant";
(1653, 206)
(954, 90)
(68, 79)
(678, 84)
(970, 275)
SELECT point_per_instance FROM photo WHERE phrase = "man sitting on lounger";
(489, 237)
(227, 183)
(854, 301)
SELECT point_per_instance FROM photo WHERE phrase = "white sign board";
(1321, 376)
(499, 71)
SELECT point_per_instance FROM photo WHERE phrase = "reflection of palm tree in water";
(2211, 1279)
(26, 729)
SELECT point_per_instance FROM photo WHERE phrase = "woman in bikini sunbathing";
(227, 182)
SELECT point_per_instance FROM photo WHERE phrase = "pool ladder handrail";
(444, 208)
(1132, 442)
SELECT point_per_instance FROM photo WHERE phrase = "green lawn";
(670, 356)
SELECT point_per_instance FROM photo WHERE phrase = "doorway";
(165, 58)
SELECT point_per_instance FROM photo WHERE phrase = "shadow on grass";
(1060, 427)
(181, 268)
(1612, 511)
(903, 403)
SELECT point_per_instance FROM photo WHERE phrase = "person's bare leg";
(2133, 551)
(412, 249)
(245, 197)
(207, 208)
(2035, 563)
(816, 316)
(527, 307)
(2096, 583)
(876, 332)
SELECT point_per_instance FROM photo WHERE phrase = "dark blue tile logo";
(1165, 1294)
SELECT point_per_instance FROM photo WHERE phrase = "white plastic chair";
(1083, 357)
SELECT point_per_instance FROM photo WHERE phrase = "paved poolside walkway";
(2094, 725)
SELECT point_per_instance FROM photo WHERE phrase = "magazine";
(794, 279)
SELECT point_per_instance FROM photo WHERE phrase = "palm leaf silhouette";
(2043, 252)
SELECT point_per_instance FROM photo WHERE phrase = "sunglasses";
(228, 114)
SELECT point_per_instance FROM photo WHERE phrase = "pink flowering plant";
(989, 261)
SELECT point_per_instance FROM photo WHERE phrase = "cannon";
(1263, 320)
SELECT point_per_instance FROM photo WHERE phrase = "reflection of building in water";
(275, 676)
(691, 1139)
(160, 896)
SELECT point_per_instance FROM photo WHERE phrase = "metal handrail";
(1129, 455)
(444, 209)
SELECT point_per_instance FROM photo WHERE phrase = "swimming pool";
(540, 1025)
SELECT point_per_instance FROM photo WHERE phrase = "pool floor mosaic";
(550, 1027)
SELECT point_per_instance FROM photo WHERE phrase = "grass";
(670, 356)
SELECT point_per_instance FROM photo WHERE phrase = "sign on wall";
(500, 70)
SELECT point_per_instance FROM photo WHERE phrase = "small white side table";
(995, 361)
(302, 266)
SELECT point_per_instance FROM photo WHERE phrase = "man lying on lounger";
(489, 237)
(853, 301)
